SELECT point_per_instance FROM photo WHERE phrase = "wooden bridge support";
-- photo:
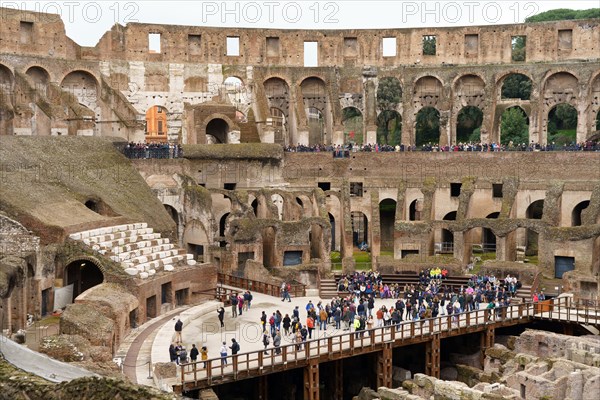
(384, 366)
(487, 341)
(262, 388)
(432, 357)
(338, 379)
(311, 380)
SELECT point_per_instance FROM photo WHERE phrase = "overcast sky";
(86, 21)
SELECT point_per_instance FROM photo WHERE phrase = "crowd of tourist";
(354, 309)
(340, 151)
(152, 150)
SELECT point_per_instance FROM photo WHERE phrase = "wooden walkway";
(257, 363)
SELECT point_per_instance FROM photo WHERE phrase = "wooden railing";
(296, 290)
(249, 364)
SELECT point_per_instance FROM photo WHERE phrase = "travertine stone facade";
(107, 89)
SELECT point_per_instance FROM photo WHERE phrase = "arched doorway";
(360, 228)
(268, 247)
(414, 210)
(468, 125)
(427, 126)
(223, 225)
(389, 128)
(488, 238)
(278, 100)
(83, 86)
(332, 223)
(40, 78)
(235, 90)
(534, 211)
(576, 213)
(173, 213)
(318, 110)
(389, 121)
(352, 120)
(278, 122)
(6, 109)
(316, 126)
(447, 236)
(562, 125)
(216, 131)
(156, 124)
(387, 218)
(516, 86)
(514, 127)
(83, 275)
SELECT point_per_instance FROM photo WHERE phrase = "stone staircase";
(327, 288)
(136, 247)
(523, 294)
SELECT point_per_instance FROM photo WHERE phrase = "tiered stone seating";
(136, 247)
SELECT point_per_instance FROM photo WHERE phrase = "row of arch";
(316, 116)
(526, 237)
(429, 94)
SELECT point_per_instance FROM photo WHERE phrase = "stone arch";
(196, 239)
(530, 235)
(360, 228)
(334, 245)
(269, 246)
(7, 78)
(576, 213)
(561, 118)
(510, 133)
(594, 97)
(561, 86)
(428, 92)
(221, 129)
(83, 273)
(353, 123)
(468, 122)
(444, 237)
(173, 214)
(387, 219)
(469, 90)
(279, 203)
(488, 237)
(40, 78)
(468, 97)
(223, 224)
(278, 120)
(315, 97)
(157, 124)
(427, 126)
(415, 210)
(236, 92)
(451, 216)
(505, 81)
(6, 107)
(83, 85)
